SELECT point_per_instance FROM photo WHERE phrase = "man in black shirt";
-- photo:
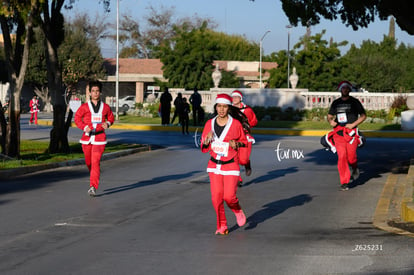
(344, 115)
(195, 101)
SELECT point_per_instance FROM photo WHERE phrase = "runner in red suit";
(93, 118)
(222, 136)
(346, 112)
(245, 152)
(34, 109)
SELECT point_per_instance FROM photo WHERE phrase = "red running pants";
(223, 189)
(347, 155)
(93, 154)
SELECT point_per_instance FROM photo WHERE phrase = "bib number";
(220, 148)
(96, 119)
(342, 118)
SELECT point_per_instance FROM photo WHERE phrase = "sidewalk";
(395, 209)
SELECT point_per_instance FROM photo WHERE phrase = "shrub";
(398, 105)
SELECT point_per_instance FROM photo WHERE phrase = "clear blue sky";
(242, 17)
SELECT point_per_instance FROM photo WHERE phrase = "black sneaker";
(344, 187)
(355, 173)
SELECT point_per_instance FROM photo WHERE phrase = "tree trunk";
(13, 134)
(17, 59)
(3, 127)
(59, 135)
(52, 27)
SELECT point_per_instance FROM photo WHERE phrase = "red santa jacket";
(248, 111)
(85, 116)
(251, 117)
(34, 105)
(224, 159)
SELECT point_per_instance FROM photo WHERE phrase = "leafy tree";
(36, 71)
(317, 63)
(229, 79)
(189, 62)
(278, 76)
(380, 67)
(80, 54)
(235, 47)
(352, 13)
(51, 21)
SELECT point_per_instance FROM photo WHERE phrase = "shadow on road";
(273, 209)
(372, 163)
(271, 175)
(155, 180)
(40, 180)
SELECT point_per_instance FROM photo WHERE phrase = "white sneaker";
(92, 191)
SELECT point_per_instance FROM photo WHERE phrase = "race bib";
(220, 148)
(96, 118)
(342, 118)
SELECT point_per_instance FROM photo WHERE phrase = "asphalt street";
(153, 213)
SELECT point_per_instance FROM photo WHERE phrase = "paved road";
(153, 214)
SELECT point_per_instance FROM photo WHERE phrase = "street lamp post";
(260, 63)
(117, 64)
(288, 54)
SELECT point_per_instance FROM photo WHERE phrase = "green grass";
(140, 120)
(35, 153)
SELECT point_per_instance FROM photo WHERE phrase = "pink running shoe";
(241, 218)
(222, 231)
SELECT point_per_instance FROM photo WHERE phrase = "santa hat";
(237, 93)
(344, 84)
(224, 99)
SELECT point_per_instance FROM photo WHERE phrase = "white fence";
(297, 99)
(371, 101)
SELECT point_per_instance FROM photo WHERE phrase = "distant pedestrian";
(165, 101)
(195, 101)
(178, 104)
(345, 114)
(34, 109)
(183, 115)
(93, 118)
(245, 152)
(222, 136)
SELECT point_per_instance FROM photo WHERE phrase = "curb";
(400, 195)
(261, 131)
(12, 173)
(380, 219)
(407, 204)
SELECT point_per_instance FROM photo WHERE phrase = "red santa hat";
(344, 84)
(237, 93)
(224, 99)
